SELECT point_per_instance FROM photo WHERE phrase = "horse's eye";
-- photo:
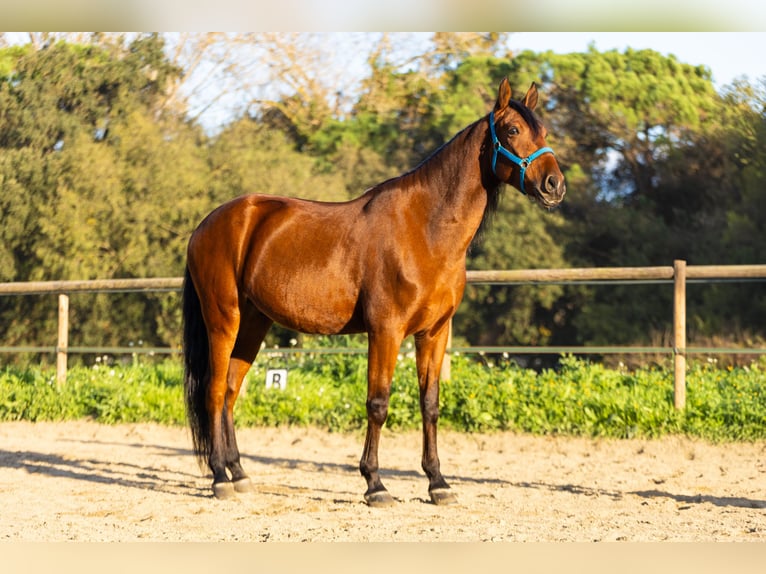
(514, 131)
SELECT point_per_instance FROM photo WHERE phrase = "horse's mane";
(401, 180)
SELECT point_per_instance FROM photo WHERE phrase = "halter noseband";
(523, 163)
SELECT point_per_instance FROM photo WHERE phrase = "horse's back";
(250, 221)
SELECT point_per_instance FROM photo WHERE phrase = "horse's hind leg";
(221, 346)
(252, 330)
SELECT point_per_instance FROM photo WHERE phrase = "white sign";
(276, 379)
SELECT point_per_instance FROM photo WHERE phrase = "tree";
(251, 157)
(666, 157)
(98, 180)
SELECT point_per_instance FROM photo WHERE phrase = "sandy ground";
(88, 482)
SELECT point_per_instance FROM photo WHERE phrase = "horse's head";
(520, 155)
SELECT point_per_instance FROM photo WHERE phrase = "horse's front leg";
(383, 351)
(430, 348)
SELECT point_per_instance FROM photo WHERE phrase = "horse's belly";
(316, 306)
(314, 321)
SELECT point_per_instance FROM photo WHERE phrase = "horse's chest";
(422, 299)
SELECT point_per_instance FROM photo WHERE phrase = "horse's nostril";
(551, 184)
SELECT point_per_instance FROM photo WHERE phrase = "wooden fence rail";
(679, 274)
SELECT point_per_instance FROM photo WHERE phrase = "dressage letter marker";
(276, 379)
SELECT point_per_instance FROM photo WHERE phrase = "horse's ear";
(530, 99)
(503, 95)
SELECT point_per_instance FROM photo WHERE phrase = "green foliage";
(329, 391)
(105, 393)
(726, 402)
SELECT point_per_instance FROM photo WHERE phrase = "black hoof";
(379, 499)
(224, 490)
(442, 496)
(243, 485)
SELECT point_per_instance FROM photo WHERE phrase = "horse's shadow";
(131, 475)
(102, 470)
(722, 501)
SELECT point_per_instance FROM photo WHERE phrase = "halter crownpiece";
(523, 163)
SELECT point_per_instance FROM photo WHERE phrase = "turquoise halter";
(523, 163)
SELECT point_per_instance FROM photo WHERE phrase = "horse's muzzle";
(552, 191)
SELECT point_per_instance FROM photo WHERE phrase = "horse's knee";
(377, 409)
(430, 411)
(429, 404)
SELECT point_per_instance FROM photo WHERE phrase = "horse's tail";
(196, 369)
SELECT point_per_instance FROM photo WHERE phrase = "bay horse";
(390, 263)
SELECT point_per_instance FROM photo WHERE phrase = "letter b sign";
(276, 379)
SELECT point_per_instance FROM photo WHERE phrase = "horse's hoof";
(243, 485)
(379, 499)
(442, 496)
(223, 490)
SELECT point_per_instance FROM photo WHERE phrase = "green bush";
(579, 398)
(108, 394)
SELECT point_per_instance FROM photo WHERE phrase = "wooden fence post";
(63, 339)
(446, 370)
(679, 334)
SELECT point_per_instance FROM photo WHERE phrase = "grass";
(579, 398)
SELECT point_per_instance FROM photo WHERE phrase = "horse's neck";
(452, 194)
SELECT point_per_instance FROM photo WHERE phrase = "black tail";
(196, 369)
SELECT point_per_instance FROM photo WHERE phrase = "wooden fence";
(679, 274)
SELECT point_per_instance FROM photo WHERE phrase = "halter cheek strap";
(523, 163)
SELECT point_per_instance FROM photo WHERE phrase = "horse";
(390, 263)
